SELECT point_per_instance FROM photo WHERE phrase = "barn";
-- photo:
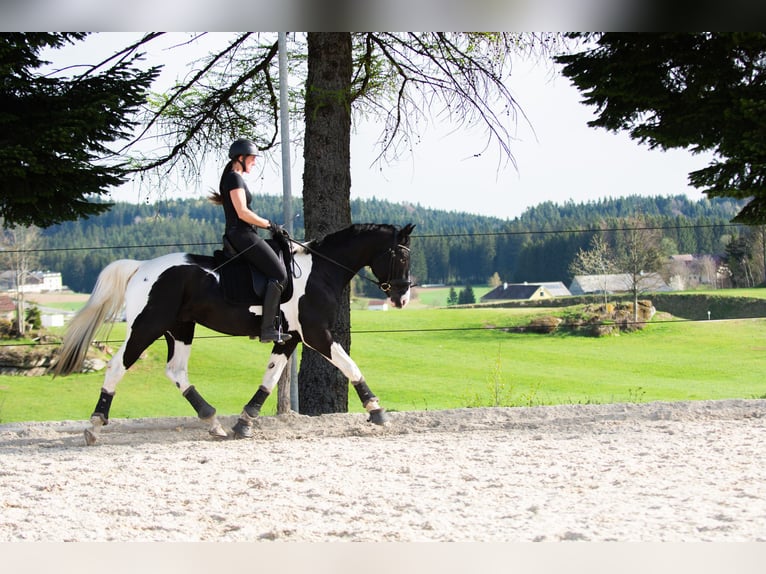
(615, 283)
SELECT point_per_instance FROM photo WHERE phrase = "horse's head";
(392, 268)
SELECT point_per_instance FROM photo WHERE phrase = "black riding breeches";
(257, 252)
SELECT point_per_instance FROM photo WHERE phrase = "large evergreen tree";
(704, 91)
(55, 131)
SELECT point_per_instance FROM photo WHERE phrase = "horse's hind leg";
(120, 362)
(280, 357)
(179, 348)
(115, 370)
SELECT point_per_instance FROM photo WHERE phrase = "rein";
(384, 286)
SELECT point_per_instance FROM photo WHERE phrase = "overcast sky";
(558, 157)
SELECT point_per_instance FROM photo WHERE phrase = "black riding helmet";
(242, 147)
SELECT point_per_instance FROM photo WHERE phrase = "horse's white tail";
(104, 303)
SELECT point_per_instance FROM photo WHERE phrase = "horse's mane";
(348, 234)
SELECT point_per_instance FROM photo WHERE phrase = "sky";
(557, 157)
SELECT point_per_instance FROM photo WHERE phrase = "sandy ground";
(637, 472)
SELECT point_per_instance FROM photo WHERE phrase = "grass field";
(428, 359)
(437, 296)
(756, 292)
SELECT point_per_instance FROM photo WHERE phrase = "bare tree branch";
(406, 79)
(213, 113)
(458, 77)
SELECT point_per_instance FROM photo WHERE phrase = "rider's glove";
(277, 229)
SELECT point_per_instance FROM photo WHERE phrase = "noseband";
(403, 253)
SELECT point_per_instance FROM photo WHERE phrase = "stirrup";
(280, 339)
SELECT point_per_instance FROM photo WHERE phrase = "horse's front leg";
(341, 359)
(280, 356)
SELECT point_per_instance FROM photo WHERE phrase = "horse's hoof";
(242, 430)
(378, 417)
(90, 437)
(215, 430)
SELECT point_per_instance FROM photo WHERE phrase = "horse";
(167, 296)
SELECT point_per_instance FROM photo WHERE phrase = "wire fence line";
(414, 236)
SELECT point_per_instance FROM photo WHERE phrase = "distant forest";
(447, 247)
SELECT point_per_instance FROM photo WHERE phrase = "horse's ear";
(404, 233)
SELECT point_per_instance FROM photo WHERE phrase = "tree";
(54, 131)
(17, 246)
(322, 388)
(34, 317)
(738, 257)
(757, 238)
(700, 91)
(745, 257)
(466, 296)
(709, 270)
(679, 275)
(452, 298)
(641, 258)
(437, 259)
(598, 260)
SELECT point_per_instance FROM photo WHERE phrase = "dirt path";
(647, 472)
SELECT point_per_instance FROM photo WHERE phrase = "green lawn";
(667, 361)
(437, 296)
(757, 292)
(428, 359)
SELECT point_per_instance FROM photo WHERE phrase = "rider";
(241, 230)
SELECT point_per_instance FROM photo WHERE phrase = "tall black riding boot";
(269, 334)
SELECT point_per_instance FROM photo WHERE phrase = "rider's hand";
(277, 229)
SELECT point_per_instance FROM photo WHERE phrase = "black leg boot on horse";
(270, 333)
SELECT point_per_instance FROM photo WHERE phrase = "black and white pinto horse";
(170, 294)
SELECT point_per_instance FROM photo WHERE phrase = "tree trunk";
(326, 198)
(20, 319)
(635, 306)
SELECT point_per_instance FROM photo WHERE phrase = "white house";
(36, 282)
(615, 283)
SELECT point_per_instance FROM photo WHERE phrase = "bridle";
(396, 249)
(403, 253)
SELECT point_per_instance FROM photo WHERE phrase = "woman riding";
(241, 231)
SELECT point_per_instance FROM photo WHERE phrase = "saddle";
(245, 284)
